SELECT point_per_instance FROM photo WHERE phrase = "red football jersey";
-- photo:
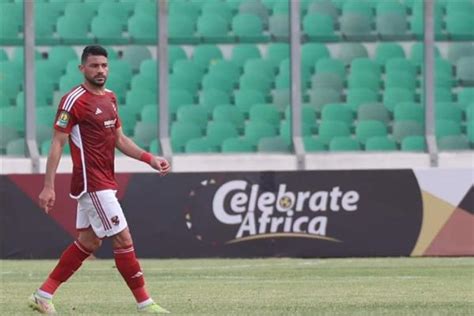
(91, 121)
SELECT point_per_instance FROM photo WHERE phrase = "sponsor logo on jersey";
(63, 119)
(110, 123)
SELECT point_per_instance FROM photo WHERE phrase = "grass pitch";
(389, 286)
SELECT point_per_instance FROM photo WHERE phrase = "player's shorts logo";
(63, 119)
(115, 220)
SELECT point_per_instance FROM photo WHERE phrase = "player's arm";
(129, 148)
(47, 196)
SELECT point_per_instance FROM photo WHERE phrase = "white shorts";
(101, 211)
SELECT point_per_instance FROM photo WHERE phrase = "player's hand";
(47, 198)
(161, 164)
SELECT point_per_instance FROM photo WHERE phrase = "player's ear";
(81, 67)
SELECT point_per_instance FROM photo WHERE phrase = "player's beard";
(95, 82)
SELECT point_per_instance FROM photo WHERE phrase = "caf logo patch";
(63, 119)
(115, 220)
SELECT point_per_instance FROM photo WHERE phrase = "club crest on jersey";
(115, 220)
(63, 119)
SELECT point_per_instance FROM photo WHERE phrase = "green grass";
(389, 286)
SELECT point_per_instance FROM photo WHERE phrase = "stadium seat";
(327, 80)
(189, 68)
(400, 79)
(344, 143)
(459, 26)
(331, 129)
(149, 114)
(366, 129)
(448, 111)
(248, 28)
(243, 52)
(244, 99)
(279, 27)
(465, 71)
(413, 143)
(181, 133)
(356, 97)
(213, 29)
(13, 117)
(210, 98)
(402, 129)
(11, 24)
(400, 64)
(146, 81)
(16, 147)
(145, 132)
(255, 81)
(319, 27)
(226, 67)
(350, 51)
(452, 143)
(277, 52)
(218, 82)
(139, 97)
(217, 8)
(128, 117)
(7, 134)
(181, 30)
(229, 114)
(205, 55)
(457, 50)
(380, 143)
(73, 29)
(218, 131)
(265, 113)
(281, 98)
(199, 145)
(337, 112)
(331, 65)
(320, 97)
(255, 8)
(255, 130)
(466, 95)
(373, 111)
(134, 55)
(45, 23)
(311, 53)
(365, 80)
(408, 111)
(195, 114)
(393, 96)
(447, 128)
(273, 145)
(237, 145)
(155, 147)
(312, 144)
(286, 130)
(354, 6)
(392, 26)
(142, 29)
(365, 65)
(417, 56)
(86, 10)
(356, 27)
(387, 51)
(326, 7)
(470, 131)
(108, 31)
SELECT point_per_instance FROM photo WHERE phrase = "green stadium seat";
(118, 10)
(255, 130)
(178, 98)
(44, 131)
(62, 55)
(86, 10)
(279, 27)
(344, 143)
(142, 29)
(108, 31)
(213, 29)
(181, 81)
(337, 112)
(199, 145)
(366, 129)
(356, 27)
(355, 6)
(261, 67)
(255, 8)
(393, 96)
(356, 97)
(7, 134)
(248, 28)
(182, 132)
(470, 131)
(210, 98)
(400, 79)
(365, 65)
(121, 68)
(149, 67)
(73, 29)
(402, 129)
(145, 132)
(325, 7)
(459, 26)
(16, 147)
(331, 129)
(373, 111)
(320, 97)
(452, 143)
(227, 68)
(400, 64)
(181, 30)
(384, 7)
(380, 143)
(243, 52)
(465, 71)
(281, 98)
(188, 9)
(448, 111)
(45, 23)
(286, 130)
(217, 8)
(3, 55)
(447, 128)
(218, 82)
(189, 68)
(195, 114)
(409, 111)
(135, 55)
(68, 81)
(11, 24)
(453, 7)
(265, 113)
(350, 51)
(13, 117)
(273, 145)
(128, 117)
(155, 147)
(139, 97)
(365, 80)
(229, 113)
(205, 55)
(457, 50)
(46, 145)
(144, 7)
(150, 113)
(417, 27)
(392, 26)
(413, 143)
(218, 131)
(327, 80)
(466, 95)
(417, 56)
(237, 145)
(469, 112)
(319, 27)
(255, 81)
(311, 53)
(331, 65)
(144, 82)
(387, 51)
(277, 52)
(244, 99)
(312, 144)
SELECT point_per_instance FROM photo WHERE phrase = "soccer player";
(87, 117)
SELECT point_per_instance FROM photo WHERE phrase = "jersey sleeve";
(65, 119)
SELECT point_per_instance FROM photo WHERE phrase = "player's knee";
(91, 243)
(122, 239)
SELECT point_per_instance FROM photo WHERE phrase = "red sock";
(129, 268)
(70, 261)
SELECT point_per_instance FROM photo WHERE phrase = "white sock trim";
(44, 294)
(145, 303)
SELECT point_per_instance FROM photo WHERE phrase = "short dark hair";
(95, 50)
